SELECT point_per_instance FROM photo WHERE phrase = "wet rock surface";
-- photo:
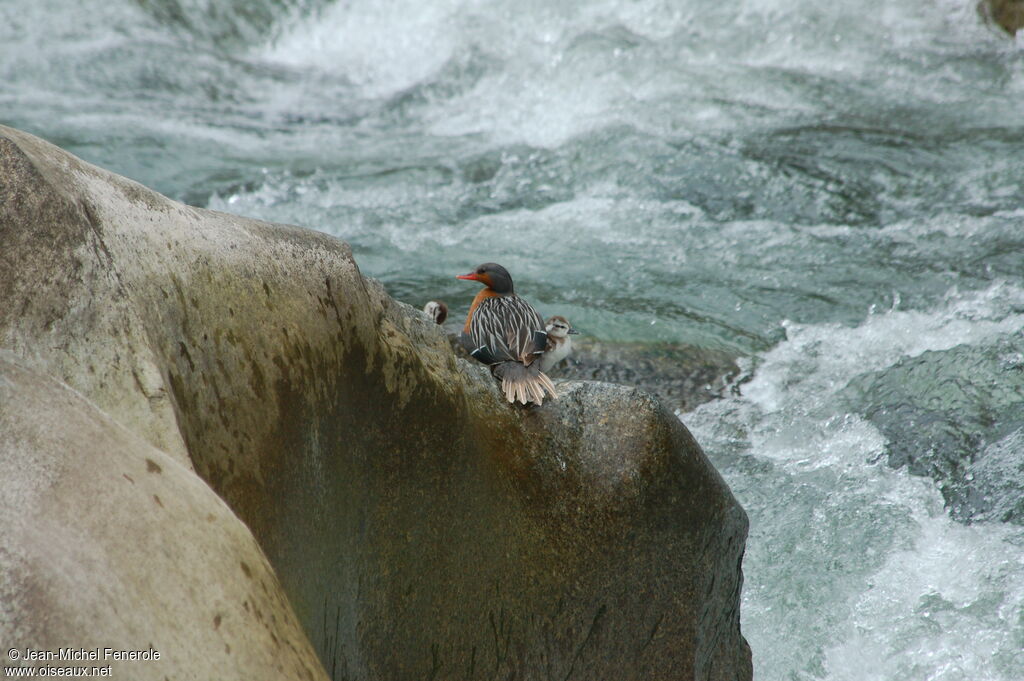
(1006, 14)
(682, 377)
(959, 430)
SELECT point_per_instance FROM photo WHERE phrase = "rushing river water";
(833, 192)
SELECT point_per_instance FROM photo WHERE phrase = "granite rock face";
(420, 526)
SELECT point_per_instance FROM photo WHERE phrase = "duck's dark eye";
(479, 270)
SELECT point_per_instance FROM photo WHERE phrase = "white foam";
(947, 609)
(383, 47)
(818, 360)
(854, 571)
(562, 69)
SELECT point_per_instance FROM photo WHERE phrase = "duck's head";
(492, 275)
(559, 327)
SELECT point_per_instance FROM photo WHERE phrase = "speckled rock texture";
(421, 527)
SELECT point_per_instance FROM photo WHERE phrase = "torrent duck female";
(504, 332)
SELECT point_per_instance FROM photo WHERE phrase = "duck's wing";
(507, 329)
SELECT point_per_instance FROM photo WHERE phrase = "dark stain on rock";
(178, 393)
(153, 466)
(128, 478)
(257, 382)
(183, 351)
(96, 225)
(246, 570)
(216, 621)
(158, 502)
(654, 632)
(182, 307)
(332, 302)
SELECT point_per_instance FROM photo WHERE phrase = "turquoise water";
(834, 193)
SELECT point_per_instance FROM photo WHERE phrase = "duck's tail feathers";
(522, 383)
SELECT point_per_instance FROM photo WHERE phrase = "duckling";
(437, 311)
(559, 344)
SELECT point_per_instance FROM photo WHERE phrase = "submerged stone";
(943, 412)
(1006, 14)
(682, 377)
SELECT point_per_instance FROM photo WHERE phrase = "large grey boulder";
(421, 527)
